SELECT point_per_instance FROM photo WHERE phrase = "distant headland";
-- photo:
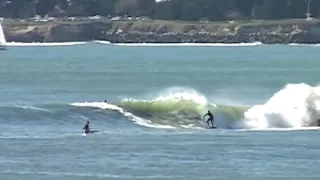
(162, 21)
(161, 31)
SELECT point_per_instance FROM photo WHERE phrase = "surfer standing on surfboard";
(86, 128)
(211, 118)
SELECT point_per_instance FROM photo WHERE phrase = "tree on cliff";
(189, 10)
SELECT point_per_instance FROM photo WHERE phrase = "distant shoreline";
(51, 44)
(298, 31)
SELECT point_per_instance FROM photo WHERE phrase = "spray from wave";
(296, 105)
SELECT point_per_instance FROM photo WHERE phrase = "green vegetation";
(183, 10)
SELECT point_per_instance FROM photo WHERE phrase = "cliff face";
(289, 31)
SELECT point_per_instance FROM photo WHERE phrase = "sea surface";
(265, 99)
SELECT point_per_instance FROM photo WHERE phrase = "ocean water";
(265, 99)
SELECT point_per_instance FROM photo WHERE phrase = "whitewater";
(148, 100)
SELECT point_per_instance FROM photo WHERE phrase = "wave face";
(173, 108)
(183, 108)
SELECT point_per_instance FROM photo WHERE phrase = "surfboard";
(212, 127)
(90, 132)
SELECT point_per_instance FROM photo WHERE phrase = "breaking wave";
(180, 107)
(174, 108)
(296, 106)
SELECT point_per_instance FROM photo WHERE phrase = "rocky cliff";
(286, 31)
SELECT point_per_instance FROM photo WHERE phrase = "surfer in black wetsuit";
(86, 128)
(210, 119)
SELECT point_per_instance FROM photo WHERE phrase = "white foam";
(281, 129)
(295, 106)
(149, 44)
(45, 44)
(135, 119)
(188, 44)
(191, 126)
(307, 45)
(102, 42)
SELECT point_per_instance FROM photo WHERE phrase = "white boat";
(3, 41)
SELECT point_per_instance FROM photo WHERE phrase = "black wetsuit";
(210, 119)
(86, 128)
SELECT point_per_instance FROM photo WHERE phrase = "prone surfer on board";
(86, 128)
(210, 119)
